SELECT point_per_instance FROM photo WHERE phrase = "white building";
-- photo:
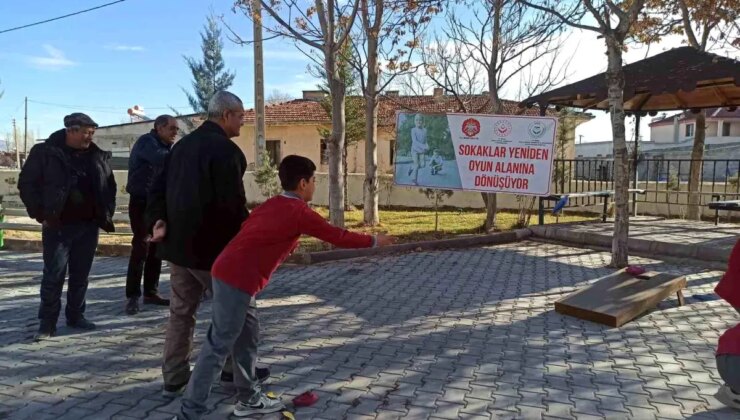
(676, 132)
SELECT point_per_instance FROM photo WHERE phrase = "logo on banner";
(537, 129)
(471, 127)
(502, 128)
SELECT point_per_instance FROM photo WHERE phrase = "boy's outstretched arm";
(312, 224)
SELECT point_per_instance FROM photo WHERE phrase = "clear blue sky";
(131, 53)
(107, 60)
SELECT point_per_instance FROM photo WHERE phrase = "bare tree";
(705, 24)
(614, 22)
(504, 40)
(389, 31)
(324, 27)
(278, 97)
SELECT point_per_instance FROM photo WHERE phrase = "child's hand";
(384, 240)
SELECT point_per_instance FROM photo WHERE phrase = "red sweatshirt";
(728, 287)
(269, 235)
(729, 341)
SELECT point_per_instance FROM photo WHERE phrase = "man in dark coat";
(196, 207)
(67, 185)
(146, 160)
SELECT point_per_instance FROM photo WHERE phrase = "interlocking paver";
(448, 334)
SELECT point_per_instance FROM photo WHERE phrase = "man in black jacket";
(146, 160)
(67, 185)
(197, 206)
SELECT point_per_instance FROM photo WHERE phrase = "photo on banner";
(425, 154)
(475, 152)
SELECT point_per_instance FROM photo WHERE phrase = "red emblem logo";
(471, 127)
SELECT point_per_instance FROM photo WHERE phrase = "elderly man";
(197, 206)
(67, 185)
(146, 160)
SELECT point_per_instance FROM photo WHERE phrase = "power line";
(61, 17)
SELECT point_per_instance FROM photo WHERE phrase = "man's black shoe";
(156, 300)
(132, 307)
(172, 391)
(81, 324)
(45, 331)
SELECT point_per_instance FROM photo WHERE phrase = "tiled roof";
(310, 111)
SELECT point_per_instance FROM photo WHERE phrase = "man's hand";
(159, 231)
(384, 240)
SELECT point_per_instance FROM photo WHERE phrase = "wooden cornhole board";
(619, 298)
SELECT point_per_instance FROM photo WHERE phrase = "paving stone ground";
(462, 334)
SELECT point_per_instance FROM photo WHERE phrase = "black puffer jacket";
(46, 178)
(200, 194)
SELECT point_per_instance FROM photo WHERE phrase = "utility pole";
(25, 132)
(17, 149)
(259, 85)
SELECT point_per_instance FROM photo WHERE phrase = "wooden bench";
(619, 297)
(726, 205)
(605, 195)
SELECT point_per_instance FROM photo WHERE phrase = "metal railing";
(665, 181)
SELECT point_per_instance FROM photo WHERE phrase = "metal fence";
(665, 181)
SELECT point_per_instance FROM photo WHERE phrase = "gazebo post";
(634, 162)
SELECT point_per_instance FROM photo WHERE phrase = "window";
(689, 130)
(272, 147)
(324, 151)
(393, 151)
(725, 129)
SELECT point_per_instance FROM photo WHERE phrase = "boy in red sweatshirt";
(728, 348)
(242, 270)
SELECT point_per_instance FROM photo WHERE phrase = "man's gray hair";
(221, 102)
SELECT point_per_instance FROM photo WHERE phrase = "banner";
(475, 152)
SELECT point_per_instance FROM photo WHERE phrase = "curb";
(333, 255)
(464, 242)
(639, 247)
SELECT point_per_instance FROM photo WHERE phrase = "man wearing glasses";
(67, 185)
(146, 160)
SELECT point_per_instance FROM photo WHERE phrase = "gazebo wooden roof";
(681, 78)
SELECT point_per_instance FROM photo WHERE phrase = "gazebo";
(679, 79)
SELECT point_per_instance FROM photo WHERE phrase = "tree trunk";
(615, 86)
(344, 176)
(695, 173)
(436, 211)
(491, 202)
(336, 143)
(370, 190)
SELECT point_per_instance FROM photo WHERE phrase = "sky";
(131, 53)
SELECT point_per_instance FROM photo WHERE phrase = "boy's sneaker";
(262, 405)
(728, 397)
